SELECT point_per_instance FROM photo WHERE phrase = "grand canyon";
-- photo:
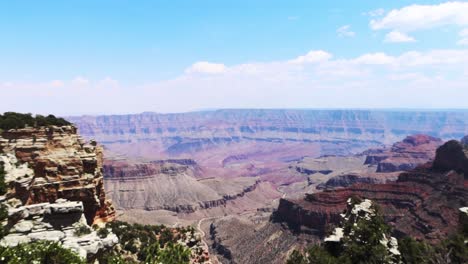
(273, 173)
(234, 132)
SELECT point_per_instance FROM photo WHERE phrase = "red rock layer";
(405, 155)
(64, 166)
(423, 203)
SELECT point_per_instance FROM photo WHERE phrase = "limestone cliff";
(49, 163)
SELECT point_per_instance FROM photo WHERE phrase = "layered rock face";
(220, 138)
(423, 203)
(229, 126)
(49, 163)
(170, 185)
(405, 155)
(372, 166)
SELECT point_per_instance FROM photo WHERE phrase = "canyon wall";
(49, 163)
(423, 203)
(170, 185)
(230, 126)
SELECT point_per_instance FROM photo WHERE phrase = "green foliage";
(296, 258)
(456, 248)
(152, 243)
(103, 232)
(12, 120)
(3, 217)
(413, 251)
(113, 257)
(82, 230)
(361, 242)
(42, 252)
(172, 254)
(3, 186)
(3, 208)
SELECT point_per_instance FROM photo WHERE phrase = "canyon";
(241, 176)
(425, 203)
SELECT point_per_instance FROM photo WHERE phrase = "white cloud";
(418, 17)
(345, 31)
(398, 37)
(206, 68)
(379, 58)
(313, 56)
(80, 81)
(376, 12)
(365, 81)
(463, 37)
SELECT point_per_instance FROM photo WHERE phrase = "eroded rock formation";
(423, 203)
(63, 222)
(170, 185)
(405, 155)
(49, 163)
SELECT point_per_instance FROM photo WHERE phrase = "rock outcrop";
(63, 222)
(423, 203)
(49, 163)
(170, 185)
(384, 164)
(405, 155)
(452, 156)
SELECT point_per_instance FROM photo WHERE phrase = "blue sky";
(89, 56)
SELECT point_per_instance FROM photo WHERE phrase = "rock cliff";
(384, 164)
(170, 185)
(406, 154)
(231, 125)
(45, 164)
(58, 222)
(423, 203)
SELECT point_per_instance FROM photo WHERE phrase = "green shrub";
(12, 120)
(82, 230)
(42, 252)
(3, 185)
(103, 232)
(151, 243)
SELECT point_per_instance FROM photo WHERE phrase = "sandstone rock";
(66, 207)
(55, 222)
(55, 166)
(12, 240)
(23, 226)
(53, 235)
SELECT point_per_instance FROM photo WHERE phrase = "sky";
(114, 56)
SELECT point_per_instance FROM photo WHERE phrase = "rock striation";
(170, 185)
(404, 155)
(384, 164)
(423, 202)
(196, 130)
(58, 222)
(45, 164)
